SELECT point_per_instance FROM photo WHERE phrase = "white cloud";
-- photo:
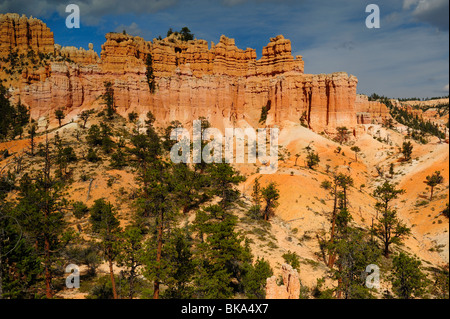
(433, 12)
(446, 88)
(408, 3)
(91, 11)
(133, 29)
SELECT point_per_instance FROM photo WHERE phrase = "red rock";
(23, 34)
(290, 289)
(223, 83)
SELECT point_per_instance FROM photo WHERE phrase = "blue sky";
(407, 57)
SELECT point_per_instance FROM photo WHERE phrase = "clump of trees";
(418, 127)
(406, 149)
(184, 34)
(149, 73)
(13, 117)
(265, 111)
(265, 201)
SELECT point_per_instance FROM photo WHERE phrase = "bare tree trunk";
(333, 227)
(158, 256)
(113, 280)
(1, 269)
(48, 275)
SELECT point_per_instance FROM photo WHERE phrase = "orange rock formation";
(370, 111)
(223, 83)
(24, 34)
(290, 289)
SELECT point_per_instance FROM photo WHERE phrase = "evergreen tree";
(354, 253)
(130, 256)
(342, 135)
(180, 265)
(40, 210)
(408, 280)
(433, 181)
(59, 114)
(105, 224)
(219, 252)
(149, 73)
(389, 229)
(291, 258)
(407, 149)
(255, 278)
(32, 131)
(440, 284)
(356, 149)
(186, 34)
(255, 210)
(270, 195)
(108, 97)
(223, 179)
(157, 200)
(340, 216)
(20, 264)
(84, 116)
(312, 159)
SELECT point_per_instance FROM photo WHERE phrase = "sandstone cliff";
(290, 289)
(221, 82)
(368, 112)
(24, 34)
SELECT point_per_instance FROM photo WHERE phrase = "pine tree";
(255, 210)
(157, 200)
(40, 209)
(255, 278)
(180, 266)
(59, 114)
(84, 116)
(340, 216)
(20, 264)
(149, 73)
(219, 252)
(408, 280)
(433, 181)
(105, 224)
(354, 253)
(356, 149)
(407, 149)
(108, 97)
(342, 135)
(32, 131)
(389, 229)
(130, 256)
(223, 179)
(270, 195)
(312, 159)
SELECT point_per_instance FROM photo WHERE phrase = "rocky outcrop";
(78, 56)
(370, 112)
(221, 82)
(290, 289)
(23, 34)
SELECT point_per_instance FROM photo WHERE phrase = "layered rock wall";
(23, 34)
(290, 289)
(221, 82)
(369, 112)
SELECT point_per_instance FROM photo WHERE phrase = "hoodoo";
(221, 82)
